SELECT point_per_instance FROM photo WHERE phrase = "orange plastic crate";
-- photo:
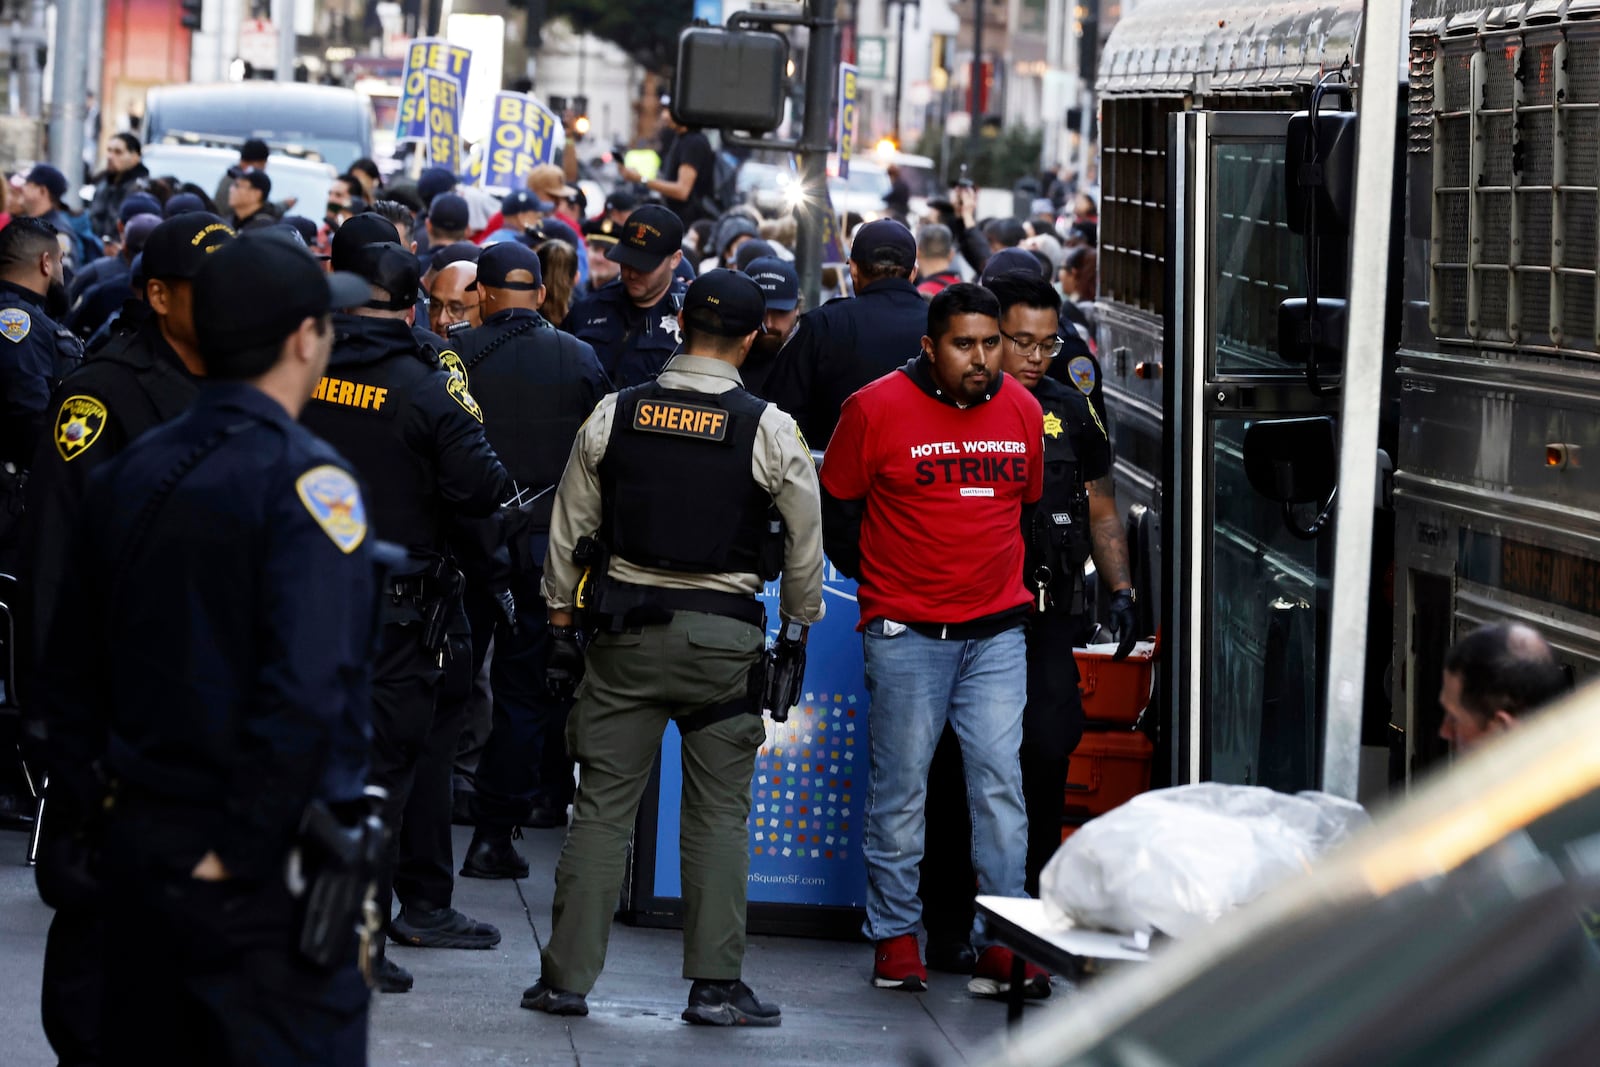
(1115, 693)
(1108, 769)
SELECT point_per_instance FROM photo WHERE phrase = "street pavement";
(465, 1011)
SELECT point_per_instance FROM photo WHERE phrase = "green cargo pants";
(634, 684)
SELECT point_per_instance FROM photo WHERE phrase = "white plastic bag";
(1174, 860)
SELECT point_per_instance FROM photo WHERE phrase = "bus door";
(1250, 573)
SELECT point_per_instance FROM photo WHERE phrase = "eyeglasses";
(1047, 347)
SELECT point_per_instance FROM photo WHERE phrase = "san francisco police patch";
(334, 501)
(78, 425)
(1082, 372)
(15, 324)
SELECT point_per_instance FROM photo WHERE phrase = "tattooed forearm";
(1106, 540)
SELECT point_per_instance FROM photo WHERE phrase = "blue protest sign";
(523, 135)
(422, 55)
(849, 114)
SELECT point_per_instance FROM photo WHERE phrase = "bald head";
(1493, 677)
(453, 297)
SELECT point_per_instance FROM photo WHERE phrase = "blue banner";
(849, 114)
(443, 121)
(833, 247)
(808, 796)
(523, 135)
(422, 55)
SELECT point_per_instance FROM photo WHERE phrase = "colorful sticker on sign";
(523, 135)
(423, 55)
(443, 121)
(849, 111)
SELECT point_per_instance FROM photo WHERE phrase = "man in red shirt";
(924, 483)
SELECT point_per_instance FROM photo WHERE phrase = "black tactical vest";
(1059, 539)
(676, 483)
(152, 390)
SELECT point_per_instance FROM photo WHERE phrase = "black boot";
(492, 856)
(728, 1004)
(389, 977)
(541, 996)
(441, 928)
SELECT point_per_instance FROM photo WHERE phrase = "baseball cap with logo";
(651, 234)
(178, 247)
(725, 303)
(779, 282)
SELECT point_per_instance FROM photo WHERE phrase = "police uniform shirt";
(632, 343)
(781, 464)
(413, 432)
(136, 383)
(1072, 427)
(216, 648)
(35, 354)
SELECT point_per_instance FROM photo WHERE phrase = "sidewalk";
(465, 1007)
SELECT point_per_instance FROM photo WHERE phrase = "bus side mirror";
(1292, 461)
(1320, 163)
(730, 79)
(1306, 338)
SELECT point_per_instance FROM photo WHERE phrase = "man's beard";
(56, 304)
(766, 345)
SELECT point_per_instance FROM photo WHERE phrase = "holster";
(333, 877)
(438, 602)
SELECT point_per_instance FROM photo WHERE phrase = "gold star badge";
(1052, 424)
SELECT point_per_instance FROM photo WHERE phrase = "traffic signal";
(190, 19)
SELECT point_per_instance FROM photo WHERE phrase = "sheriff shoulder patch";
(1081, 370)
(457, 388)
(15, 324)
(334, 501)
(78, 425)
(681, 420)
(453, 365)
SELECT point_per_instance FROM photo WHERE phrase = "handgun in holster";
(786, 671)
(445, 586)
(591, 554)
(334, 876)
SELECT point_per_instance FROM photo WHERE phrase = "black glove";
(563, 668)
(786, 670)
(507, 604)
(1126, 621)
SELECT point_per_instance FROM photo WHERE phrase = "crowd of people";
(440, 498)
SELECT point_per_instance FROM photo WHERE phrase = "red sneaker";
(991, 977)
(897, 964)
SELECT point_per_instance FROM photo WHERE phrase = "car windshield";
(330, 133)
(306, 185)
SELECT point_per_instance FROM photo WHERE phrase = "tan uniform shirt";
(781, 464)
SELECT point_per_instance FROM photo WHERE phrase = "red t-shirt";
(941, 537)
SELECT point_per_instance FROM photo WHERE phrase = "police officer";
(675, 480)
(35, 352)
(633, 322)
(843, 345)
(214, 670)
(1076, 518)
(146, 376)
(1075, 365)
(536, 386)
(416, 435)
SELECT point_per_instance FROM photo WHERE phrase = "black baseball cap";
(521, 201)
(254, 151)
(779, 282)
(258, 290)
(180, 246)
(182, 204)
(602, 230)
(750, 251)
(457, 252)
(621, 200)
(500, 261)
(389, 266)
(884, 241)
(49, 178)
(257, 178)
(357, 233)
(724, 302)
(651, 234)
(449, 211)
(1012, 261)
(139, 204)
(553, 230)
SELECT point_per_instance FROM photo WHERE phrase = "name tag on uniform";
(681, 420)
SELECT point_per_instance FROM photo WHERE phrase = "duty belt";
(653, 604)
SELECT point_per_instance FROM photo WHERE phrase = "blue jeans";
(916, 684)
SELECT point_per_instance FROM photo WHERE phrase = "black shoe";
(553, 1001)
(543, 818)
(728, 1004)
(493, 857)
(463, 801)
(951, 957)
(389, 977)
(441, 928)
